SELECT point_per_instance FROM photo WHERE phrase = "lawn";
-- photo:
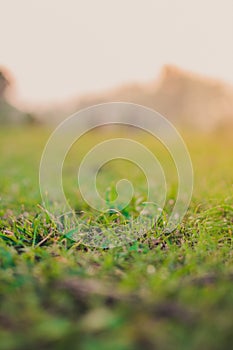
(160, 291)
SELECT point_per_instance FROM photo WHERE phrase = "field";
(160, 291)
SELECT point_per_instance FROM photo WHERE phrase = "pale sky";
(58, 49)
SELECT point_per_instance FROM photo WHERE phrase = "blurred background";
(59, 56)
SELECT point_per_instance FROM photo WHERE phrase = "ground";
(160, 291)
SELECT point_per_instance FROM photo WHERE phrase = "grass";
(161, 291)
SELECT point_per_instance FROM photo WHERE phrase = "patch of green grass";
(160, 291)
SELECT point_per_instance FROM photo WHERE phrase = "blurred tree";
(8, 113)
(4, 83)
